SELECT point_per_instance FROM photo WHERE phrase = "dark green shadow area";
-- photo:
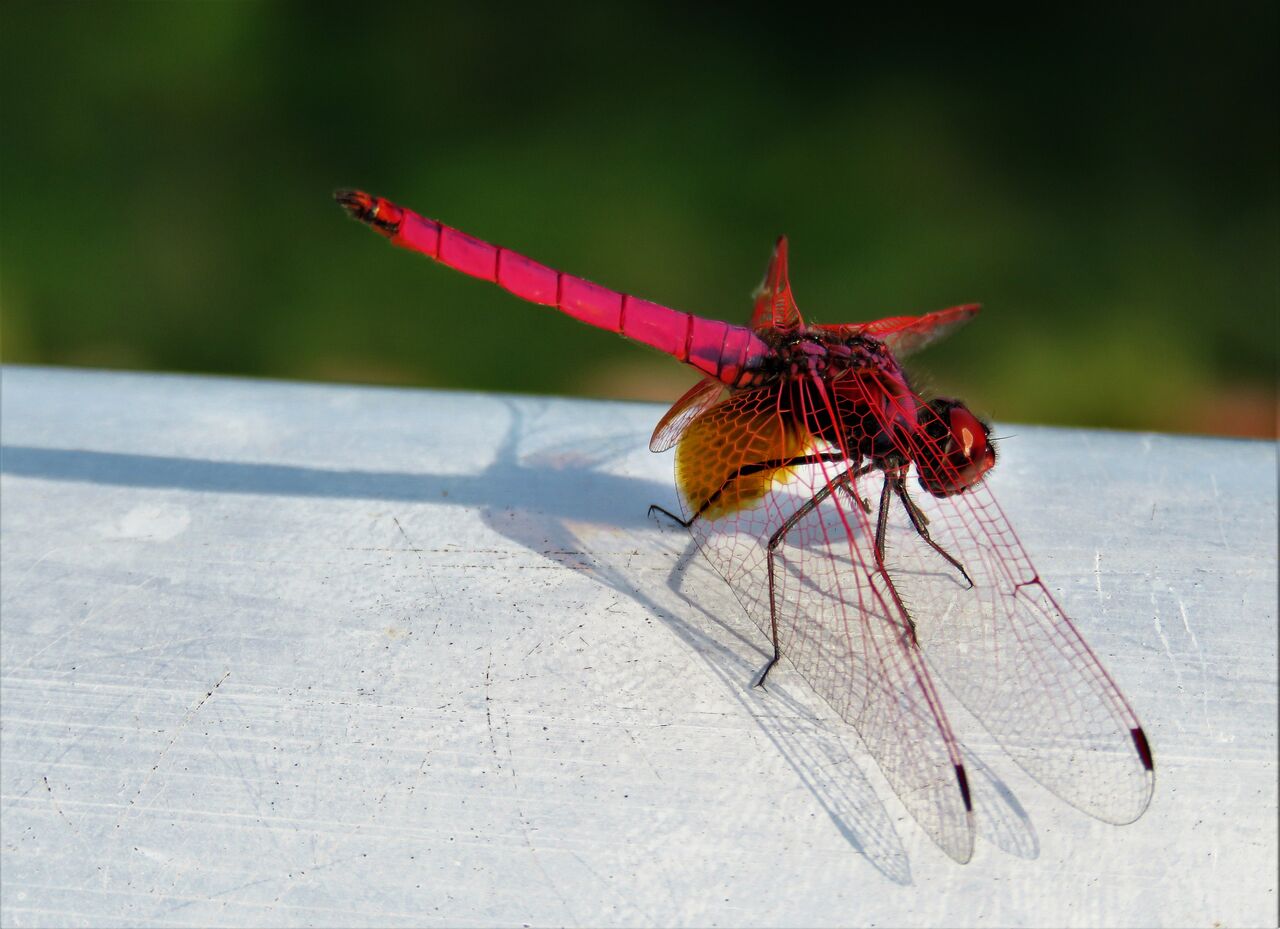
(1106, 184)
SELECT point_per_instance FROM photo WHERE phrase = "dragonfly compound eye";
(959, 451)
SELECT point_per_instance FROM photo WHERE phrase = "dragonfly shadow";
(541, 500)
(731, 651)
(1000, 818)
(810, 745)
(502, 486)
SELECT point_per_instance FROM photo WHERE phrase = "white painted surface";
(277, 654)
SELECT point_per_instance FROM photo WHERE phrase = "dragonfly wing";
(701, 396)
(837, 622)
(907, 334)
(775, 308)
(1010, 654)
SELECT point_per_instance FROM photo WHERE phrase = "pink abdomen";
(726, 352)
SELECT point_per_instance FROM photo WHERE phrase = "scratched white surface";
(279, 654)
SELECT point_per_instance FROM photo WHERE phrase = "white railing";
(288, 654)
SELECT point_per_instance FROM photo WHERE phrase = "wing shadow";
(535, 500)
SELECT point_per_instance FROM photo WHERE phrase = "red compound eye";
(962, 455)
(970, 437)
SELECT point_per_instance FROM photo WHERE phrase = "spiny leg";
(882, 523)
(921, 522)
(745, 471)
(853, 495)
(845, 480)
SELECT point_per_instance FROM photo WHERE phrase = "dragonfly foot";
(758, 679)
(655, 508)
(857, 498)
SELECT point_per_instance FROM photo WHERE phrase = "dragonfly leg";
(686, 523)
(882, 522)
(844, 479)
(757, 680)
(860, 501)
(921, 523)
(754, 468)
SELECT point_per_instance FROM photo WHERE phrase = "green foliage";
(1108, 189)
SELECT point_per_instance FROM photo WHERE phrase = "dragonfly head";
(958, 451)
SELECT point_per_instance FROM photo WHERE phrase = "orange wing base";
(722, 461)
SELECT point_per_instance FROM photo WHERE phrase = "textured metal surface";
(278, 654)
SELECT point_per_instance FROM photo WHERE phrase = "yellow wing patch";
(732, 455)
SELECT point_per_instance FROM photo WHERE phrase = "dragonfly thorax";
(819, 354)
(806, 356)
(852, 394)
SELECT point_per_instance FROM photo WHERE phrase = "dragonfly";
(852, 519)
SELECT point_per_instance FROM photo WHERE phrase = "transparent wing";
(701, 396)
(907, 334)
(775, 308)
(750, 473)
(1009, 653)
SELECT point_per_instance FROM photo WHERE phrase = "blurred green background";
(1105, 184)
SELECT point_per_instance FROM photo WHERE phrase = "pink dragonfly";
(793, 462)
